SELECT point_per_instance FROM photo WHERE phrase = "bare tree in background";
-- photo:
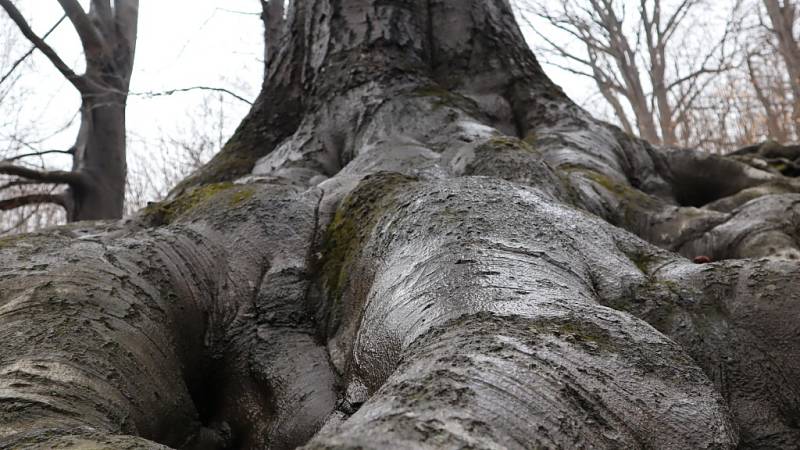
(782, 16)
(769, 82)
(647, 67)
(755, 100)
(17, 136)
(96, 182)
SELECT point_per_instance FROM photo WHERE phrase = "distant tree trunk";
(416, 240)
(99, 156)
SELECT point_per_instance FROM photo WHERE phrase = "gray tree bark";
(416, 240)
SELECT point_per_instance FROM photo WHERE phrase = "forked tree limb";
(17, 183)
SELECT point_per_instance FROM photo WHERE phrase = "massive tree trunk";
(416, 240)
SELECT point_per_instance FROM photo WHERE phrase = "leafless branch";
(57, 176)
(39, 153)
(18, 183)
(189, 89)
(233, 11)
(31, 199)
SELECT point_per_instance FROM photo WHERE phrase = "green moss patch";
(582, 333)
(167, 212)
(506, 143)
(445, 98)
(531, 138)
(632, 203)
(623, 191)
(643, 262)
(352, 225)
(9, 241)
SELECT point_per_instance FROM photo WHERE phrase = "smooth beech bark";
(416, 240)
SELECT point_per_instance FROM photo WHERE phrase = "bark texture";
(415, 240)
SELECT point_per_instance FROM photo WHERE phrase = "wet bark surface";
(415, 240)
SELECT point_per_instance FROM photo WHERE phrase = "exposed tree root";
(435, 249)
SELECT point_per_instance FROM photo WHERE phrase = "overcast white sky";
(182, 43)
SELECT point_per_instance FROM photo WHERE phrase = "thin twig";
(189, 89)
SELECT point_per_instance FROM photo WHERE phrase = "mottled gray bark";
(426, 245)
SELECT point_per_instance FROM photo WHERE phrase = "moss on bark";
(169, 211)
(506, 143)
(352, 224)
(446, 98)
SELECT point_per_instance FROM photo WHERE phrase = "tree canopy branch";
(18, 183)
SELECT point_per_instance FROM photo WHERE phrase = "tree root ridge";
(415, 240)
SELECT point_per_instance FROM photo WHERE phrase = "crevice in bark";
(699, 179)
(212, 431)
(431, 33)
